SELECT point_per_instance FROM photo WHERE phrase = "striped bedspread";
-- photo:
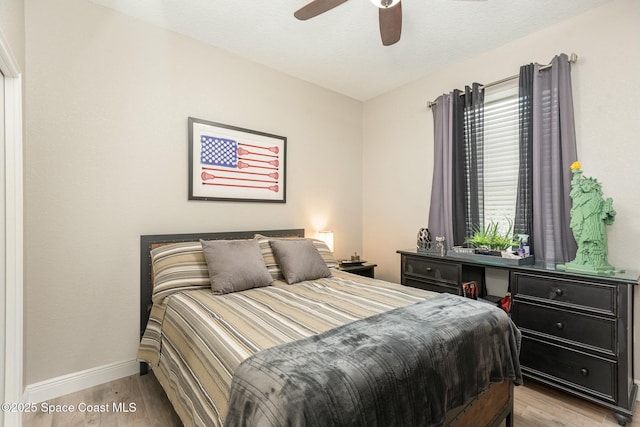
(195, 340)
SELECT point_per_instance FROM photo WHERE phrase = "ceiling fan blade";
(315, 8)
(390, 24)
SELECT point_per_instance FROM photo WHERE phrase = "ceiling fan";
(390, 16)
(389, 12)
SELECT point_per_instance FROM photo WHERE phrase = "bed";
(337, 349)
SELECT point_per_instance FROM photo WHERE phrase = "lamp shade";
(327, 237)
(382, 4)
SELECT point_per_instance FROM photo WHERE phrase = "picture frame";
(230, 163)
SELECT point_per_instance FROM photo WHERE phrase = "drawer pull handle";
(584, 372)
(429, 269)
(560, 325)
(559, 292)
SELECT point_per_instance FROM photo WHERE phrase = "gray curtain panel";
(554, 149)
(440, 208)
(474, 151)
(459, 172)
(523, 221)
(457, 204)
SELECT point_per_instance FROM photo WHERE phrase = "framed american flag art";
(235, 164)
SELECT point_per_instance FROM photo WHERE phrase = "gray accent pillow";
(299, 260)
(235, 265)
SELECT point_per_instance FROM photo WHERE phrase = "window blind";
(501, 154)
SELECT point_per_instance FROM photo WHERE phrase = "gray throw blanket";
(404, 367)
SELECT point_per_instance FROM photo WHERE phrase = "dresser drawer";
(570, 368)
(565, 291)
(434, 270)
(432, 286)
(580, 328)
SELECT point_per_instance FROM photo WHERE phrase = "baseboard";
(56, 387)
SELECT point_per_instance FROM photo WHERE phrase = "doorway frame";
(13, 239)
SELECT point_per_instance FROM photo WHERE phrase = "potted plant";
(489, 240)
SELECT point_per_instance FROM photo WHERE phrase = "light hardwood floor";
(152, 408)
(535, 406)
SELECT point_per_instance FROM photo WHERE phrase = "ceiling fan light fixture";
(385, 4)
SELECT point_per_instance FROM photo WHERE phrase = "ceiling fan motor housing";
(385, 3)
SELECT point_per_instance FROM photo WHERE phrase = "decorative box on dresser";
(577, 328)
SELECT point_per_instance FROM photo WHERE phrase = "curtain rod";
(573, 58)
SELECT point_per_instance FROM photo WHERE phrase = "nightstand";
(364, 269)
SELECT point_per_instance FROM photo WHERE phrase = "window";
(492, 145)
(500, 154)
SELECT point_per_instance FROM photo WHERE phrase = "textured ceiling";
(341, 49)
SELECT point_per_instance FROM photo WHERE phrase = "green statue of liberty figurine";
(590, 214)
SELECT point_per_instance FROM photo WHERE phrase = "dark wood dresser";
(577, 329)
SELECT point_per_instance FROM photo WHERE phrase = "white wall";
(107, 101)
(12, 27)
(398, 130)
